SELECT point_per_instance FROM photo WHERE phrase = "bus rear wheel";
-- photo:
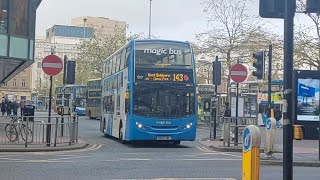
(121, 135)
(90, 115)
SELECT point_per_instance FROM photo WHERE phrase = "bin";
(297, 132)
(29, 111)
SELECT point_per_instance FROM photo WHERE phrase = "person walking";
(3, 108)
(22, 107)
(278, 116)
(9, 108)
(227, 114)
(15, 108)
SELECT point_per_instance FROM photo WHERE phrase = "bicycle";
(15, 128)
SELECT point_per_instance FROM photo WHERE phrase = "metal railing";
(229, 128)
(38, 130)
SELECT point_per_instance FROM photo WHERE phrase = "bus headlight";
(139, 125)
(188, 126)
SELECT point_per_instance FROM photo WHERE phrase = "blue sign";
(73, 31)
(269, 125)
(306, 91)
(247, 140)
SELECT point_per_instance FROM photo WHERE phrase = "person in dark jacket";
(9, 108)
(3, 108)
(278, 116)
(15, 108)
(227, 113)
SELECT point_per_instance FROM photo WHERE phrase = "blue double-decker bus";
(149, 92)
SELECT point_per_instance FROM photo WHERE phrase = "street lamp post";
(150, 19)
(84, 27)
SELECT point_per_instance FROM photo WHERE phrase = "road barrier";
(251, 153)
(229, 126)
(32, 130)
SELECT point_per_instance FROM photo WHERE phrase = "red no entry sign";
(238, 73)
(52, 65)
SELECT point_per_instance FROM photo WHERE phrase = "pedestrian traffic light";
(259, 65)
(271, 8)
(313, 6)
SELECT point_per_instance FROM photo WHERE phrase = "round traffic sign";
(238, 73)
(52, 65)
(246, 140)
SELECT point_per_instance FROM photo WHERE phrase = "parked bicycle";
(16, 128)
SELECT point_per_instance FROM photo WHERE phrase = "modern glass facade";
(17, 34)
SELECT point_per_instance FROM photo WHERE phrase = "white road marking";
(182, 179)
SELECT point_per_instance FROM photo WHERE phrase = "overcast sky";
(172, 19)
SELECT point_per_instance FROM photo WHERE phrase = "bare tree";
(230, 27)
(307, 41)
(94, 51)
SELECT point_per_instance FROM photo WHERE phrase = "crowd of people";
(9, 108)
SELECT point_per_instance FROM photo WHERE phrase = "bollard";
(271, 126)
(251, 153)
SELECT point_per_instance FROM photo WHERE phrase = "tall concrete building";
(106, 25)
(17, 34)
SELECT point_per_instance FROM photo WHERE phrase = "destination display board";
(163, 76)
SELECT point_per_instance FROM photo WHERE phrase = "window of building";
(5, 84)
(39, 54)
(23, 83)
(19, 17)
(14, 83)
(39, 65)
(4, 4)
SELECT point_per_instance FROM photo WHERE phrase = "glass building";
(17, 34)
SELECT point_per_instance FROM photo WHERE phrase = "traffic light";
(71, 72)
(216, 73)
(259, 65)
(271, 8)
(313, 6)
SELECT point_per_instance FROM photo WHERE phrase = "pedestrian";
(227, 114)
(3, 108)
(278, 116)
(15, 108)
(22, 107)
(9, 108)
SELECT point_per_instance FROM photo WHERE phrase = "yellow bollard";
(251, 153)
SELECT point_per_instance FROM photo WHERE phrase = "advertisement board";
(306, 85)
(308, 99)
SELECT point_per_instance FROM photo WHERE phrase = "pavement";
(305, 152)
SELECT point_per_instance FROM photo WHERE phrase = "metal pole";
(49, 118)
(236, 128)
(290, 6)
(269, 79)
(216, 99)
(150, 19)
(237, 106)
(84, 28)
(55, 133)
(211, 116)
